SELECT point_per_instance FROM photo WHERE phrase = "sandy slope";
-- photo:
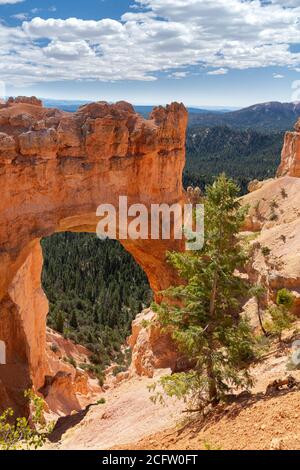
(260, 421)
(129, 420)
(128, 415)
(259, 424)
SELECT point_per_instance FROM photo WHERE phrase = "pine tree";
(73, 321)
(203, 313)
(60, 321)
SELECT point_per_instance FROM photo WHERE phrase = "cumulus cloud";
(72, 28)
(155, 36)
(68, 50)
(278, 76)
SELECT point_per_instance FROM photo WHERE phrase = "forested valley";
(95, 290)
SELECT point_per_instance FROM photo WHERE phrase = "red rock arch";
(55, 170)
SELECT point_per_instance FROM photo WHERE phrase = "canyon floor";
(129, 420)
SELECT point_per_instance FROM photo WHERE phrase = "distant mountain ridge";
(72, 106)
(270, 117)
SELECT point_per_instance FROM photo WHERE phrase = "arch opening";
(95, 289)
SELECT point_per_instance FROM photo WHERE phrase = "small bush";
(54, 348)
(22, 433)
(284, 194)
(266, 251)
(285, 298)
(102, 401)
(273, 205)
(273, 217)
(281, 315)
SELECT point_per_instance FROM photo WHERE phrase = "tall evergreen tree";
(59, 321)
(73, 321)
(203, 313)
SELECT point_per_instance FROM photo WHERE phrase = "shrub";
(284, 194)
(285, 298)
(23, 433)
(266, 251)
(54, 348)
(281, 316)
(102, 401)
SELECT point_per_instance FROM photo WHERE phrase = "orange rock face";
(150, 348)
(274, 210)
(290, 157)
(56, 168)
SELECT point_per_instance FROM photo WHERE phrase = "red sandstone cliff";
(290, 157)
(55, 169)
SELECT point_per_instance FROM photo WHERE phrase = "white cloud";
(72, 28)
(68, 50)
(20, 16)
(287, 3)
(160, 36)
(10, 2)
(218, 72)
(178, 75)
(278, 76)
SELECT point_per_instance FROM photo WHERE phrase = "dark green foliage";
(96, 370)
(243, 155)
(95, 290)
(204, 313)
(285, 298)
(281, 314)
(101, 401)
(266, 251)
(73, 321)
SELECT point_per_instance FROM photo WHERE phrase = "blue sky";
(201, 52)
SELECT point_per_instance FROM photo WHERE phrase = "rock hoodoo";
(290, 157)
(55, 170)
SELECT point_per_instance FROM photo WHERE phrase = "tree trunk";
(212, 387)
(260, 319)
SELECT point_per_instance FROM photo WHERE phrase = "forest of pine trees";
(243, 155)
(95, 290)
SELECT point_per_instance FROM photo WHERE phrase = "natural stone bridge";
(55, 170)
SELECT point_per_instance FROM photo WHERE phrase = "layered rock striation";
(290, 157)
(56, 168)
